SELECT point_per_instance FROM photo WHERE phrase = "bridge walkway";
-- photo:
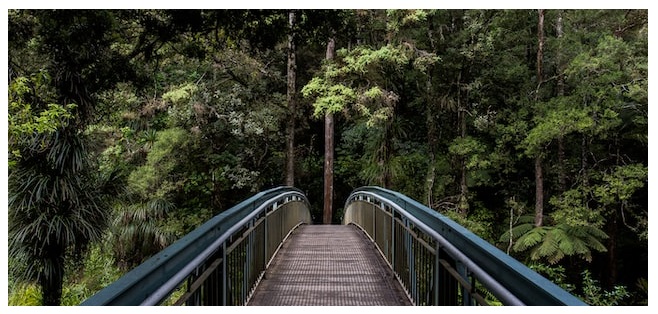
(335, 265)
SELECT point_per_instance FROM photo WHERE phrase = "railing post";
(265, 253)
(224, 275)
(393, 238)
(374, 223)
(437, 265)
(248, 264)
(410, 259)
(466, 296)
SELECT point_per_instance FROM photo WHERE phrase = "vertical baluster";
(437, 264)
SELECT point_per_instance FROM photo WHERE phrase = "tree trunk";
(583, 160)
(461, 117)
(385, 156)
(52, 279)
(292, 103)
(329, 151)
(539, 192)
(432, 142)
(540, 47)
(432, 138)
(560, 61)
(539, 179)
(463, 199)
(562, 176)
(611, 273)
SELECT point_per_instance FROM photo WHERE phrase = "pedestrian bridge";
(390, 250)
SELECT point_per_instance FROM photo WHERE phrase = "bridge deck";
(328, 265)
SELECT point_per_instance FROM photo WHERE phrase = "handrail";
(504, 276)
(143, 284)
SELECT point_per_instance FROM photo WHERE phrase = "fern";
(530, 239)
(553, 243)
(550, 247)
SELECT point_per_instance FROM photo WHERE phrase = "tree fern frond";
(530, 239)
(526, 219)
(549, 246)
(596, 232)
(517, 232)
(595, 244)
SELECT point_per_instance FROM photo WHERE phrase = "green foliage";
(341, 85)
(474, 151)
(136, 231)
(56, 208)
(479, 221)
(190, 107)
(329, 98)
(643, 291)
(621, 183)
(405, 18)
(99, 270)
(154, 177)
(25, 295)
(554, 273)
(363, 60)
(589, 290)
(555, 124)
(552, 243)
(180, 94)
(28, 120)
(593, 294)
(73, 295)
(573, 208)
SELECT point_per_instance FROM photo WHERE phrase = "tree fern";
(553, 243)
(525, 223)
(530, 239)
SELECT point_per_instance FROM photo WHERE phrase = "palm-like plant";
(136, 233)
(56, 209)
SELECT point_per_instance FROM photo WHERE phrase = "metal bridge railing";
(218, 263)
(438, 261)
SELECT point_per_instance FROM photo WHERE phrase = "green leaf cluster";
(553, 243)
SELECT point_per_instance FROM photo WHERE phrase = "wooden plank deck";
(330, 265)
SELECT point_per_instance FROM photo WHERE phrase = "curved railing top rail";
(526, 284)
(135, 286)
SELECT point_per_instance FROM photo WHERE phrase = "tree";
(329, 149)
(292, 101)
(57, 203)
(539, 178)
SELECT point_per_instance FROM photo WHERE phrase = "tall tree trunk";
(539, 179)
(584, 150)
(292, 103)
(432, 138)
(329, 151)
(562, 176)
(461, 117)
(385, 177)
(539, 192)
(463, 186)
(611, 273)
(432, 142)
(52, 279)
(540, 47)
